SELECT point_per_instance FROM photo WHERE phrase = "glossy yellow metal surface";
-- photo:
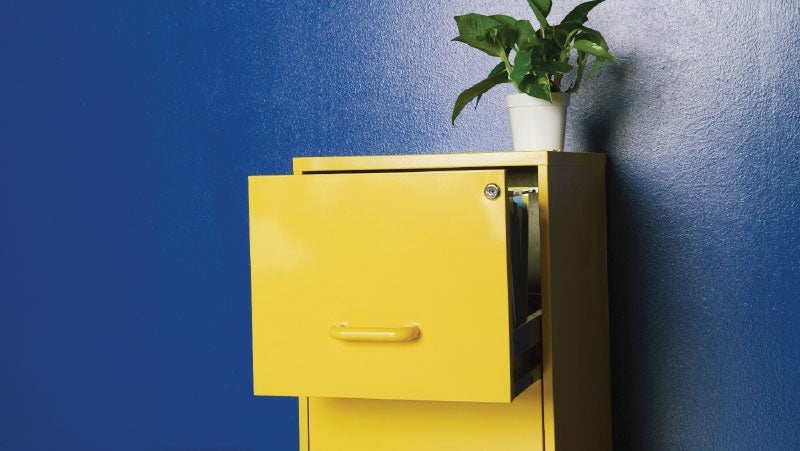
(575, 331)
(446, 161)
(369, 425)
(302, 422)
(374, 334)
(569, 409)
(380, 250)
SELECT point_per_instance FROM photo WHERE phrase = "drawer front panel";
(369, 425)
(380, 285)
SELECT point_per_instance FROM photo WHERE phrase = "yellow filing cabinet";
(435, 302)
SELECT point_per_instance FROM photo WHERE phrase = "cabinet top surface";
(446, 161)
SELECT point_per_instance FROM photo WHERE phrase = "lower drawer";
(336, 424)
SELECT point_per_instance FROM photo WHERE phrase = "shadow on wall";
(627, 294)
(611, 108)
(601, 131)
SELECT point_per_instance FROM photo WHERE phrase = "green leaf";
(591, 48)
(505, 20)
(522, 65)
(477, 90)
(583, 57)
(592, 35)
(540, 12)
(565, 32)
(568, 27)
(505, 36)
(490, 48)
(474, 30)
(497, 70)
(560, 36)
(537, 86)
(554, 67)
(526, 35)
(596, 66)
(508, 33)
(595, 36)
(579, 13)
(550, 50)
(542, 5)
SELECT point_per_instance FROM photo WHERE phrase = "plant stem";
(504, 57)
(557, 82)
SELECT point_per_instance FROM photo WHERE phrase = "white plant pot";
(537, 124)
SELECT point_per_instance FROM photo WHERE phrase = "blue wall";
(127, 130)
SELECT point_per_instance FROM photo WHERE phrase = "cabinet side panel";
(576, 368)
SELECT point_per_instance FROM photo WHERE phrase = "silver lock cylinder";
(491, 191)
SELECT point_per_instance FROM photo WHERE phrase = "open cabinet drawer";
(393, 285)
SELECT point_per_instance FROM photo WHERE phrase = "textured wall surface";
(127, 130)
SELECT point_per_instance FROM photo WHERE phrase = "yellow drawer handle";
(375, 334)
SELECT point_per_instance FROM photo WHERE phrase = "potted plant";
(535, 61)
